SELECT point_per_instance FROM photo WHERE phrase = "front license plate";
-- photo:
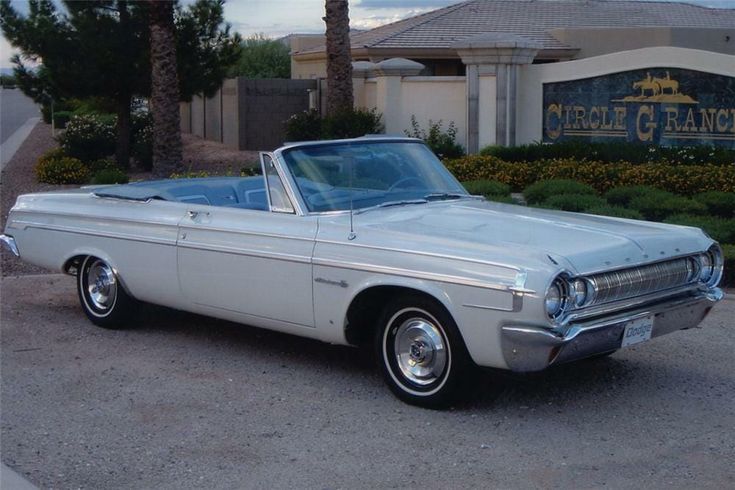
(638, 330)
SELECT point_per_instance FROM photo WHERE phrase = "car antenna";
(352, 234)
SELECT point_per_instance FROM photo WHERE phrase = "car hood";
(580, 242)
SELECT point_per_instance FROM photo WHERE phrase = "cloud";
(373, 21)
(403, 4)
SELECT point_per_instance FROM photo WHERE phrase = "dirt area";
(214, 158)
(18, 176)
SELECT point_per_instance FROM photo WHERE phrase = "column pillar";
(389, 75)
(492, 65)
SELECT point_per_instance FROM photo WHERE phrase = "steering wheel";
(404, 180)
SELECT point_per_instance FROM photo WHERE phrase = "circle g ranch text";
(665, 106)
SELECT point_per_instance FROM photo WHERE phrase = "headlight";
(580, 292)
(556, 298)
(711, 263)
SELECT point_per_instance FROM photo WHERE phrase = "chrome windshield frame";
(290, 182)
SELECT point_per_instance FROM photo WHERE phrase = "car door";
(251, 262)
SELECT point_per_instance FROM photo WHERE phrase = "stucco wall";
(230, 118)
(529, 122)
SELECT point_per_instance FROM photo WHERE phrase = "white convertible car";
(371, 240)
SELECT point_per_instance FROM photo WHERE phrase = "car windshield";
(369, 173)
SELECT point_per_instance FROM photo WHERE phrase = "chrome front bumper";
(530, 348)
(9, 243)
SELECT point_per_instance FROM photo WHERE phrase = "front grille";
(640, 281)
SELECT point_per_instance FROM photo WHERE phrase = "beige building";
(563, 30)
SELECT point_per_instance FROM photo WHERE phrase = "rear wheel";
(421, 353)
(101, 295)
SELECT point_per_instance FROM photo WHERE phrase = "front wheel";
(421, 353)
(101, 295)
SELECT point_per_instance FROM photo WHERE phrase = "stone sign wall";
(664, 106)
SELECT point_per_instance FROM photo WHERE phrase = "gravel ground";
(181, 401)
(18, 178)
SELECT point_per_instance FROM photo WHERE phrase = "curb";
(10, 480)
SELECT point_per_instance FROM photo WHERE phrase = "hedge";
(613, 152)
(679, 179)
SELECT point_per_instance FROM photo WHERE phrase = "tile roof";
(533, 19)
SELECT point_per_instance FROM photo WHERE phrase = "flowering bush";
(63, 170)
(613, 152)
(89, 137)
(680, 179)
(142, 149)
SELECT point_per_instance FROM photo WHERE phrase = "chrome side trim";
(423, 254)
(207, 247)
(107, 218)
(426, 276)
(484, 307)
(118, 236)
(10, 244)
(187, 226)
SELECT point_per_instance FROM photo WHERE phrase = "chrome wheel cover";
(420, 351)
(101, 286)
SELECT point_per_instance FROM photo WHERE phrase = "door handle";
(195, 214)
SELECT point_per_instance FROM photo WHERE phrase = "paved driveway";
(181, 401)
(16, 110)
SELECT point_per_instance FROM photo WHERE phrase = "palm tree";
(164, 89)
(339, 58)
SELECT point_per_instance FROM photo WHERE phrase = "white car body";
(490, 265)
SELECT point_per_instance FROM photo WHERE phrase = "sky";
(278, 18)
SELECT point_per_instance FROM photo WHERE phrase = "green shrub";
(718, 203)
(654, 207)
(110, 176)
(499, 198)
(722, 230)
(142, 144)
(89, 137)
(621, 196)
(61, 118)
(310, 126)
(102, 164)
(442, 143)
(352, 124)
(487, 188)
(612, 152)
(614, 211)
(573, 202)
(304, 126)
(64, 170)
(543, 190)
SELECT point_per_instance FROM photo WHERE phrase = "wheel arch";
(72, 264)
(367, 305)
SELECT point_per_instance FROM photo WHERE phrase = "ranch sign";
(663, 106)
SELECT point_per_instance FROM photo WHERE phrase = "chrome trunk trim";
(10, 244)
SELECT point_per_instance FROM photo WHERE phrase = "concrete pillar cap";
(493, 48)
(398, 67)
(363, 69)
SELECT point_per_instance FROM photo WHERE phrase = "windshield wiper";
(444, 196)
(392, 203)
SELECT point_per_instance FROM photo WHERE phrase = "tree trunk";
(122, 147)
(339, 57)
(164, 90)
(123, 100)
